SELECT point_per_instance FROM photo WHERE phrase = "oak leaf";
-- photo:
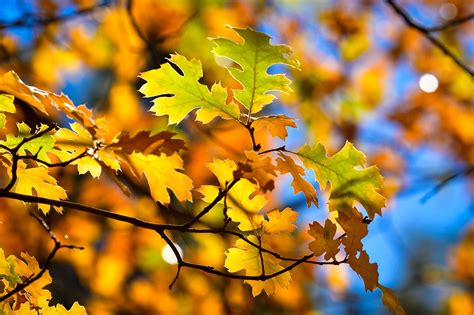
(324, 241)
(367, 271)
(36, 294)
(258, 169)
(243, 201)
(73, 142)
(37, 146)
(355, 230)
(276, 125)
(6, 106)
(146, 143)
(36, 181)
(350, 180)
(187, 93)
(253, 58)
(247, 257)
(162, 172)
(286, 164)
(43, 100)
(390, 300)
(280, 221)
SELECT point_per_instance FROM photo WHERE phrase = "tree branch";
(27, 21)
(450, 24)
(33, 278)
(426, 32)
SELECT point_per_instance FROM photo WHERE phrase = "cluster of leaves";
(34, 298)
(243, 187)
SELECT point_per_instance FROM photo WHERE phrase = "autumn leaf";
(367, 271)
(286, 164)
(275, 125)
(36, 181)
(258, 169)
(145, 143)
(389, 299)
(6, 106)
(324, 241)
(246, 257)
(77, 140)
(42, 100)
(162, 172)
(253, 58)
(280, 221)
(243, 202)
(36, 293)
(355, 230)
(37, 146)
(350, 180)
(76, 309)
(187, 93)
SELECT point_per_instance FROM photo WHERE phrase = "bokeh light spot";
(428, 83)
(168, 254)
(448, 11)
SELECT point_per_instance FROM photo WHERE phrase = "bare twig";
(427, 33)
(28, 21)
(445, 182)
(450, 24)
(33, 278)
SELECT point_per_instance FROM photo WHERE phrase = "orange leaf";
(287, 165)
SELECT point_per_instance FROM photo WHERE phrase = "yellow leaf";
(246, 257)
(276, 125)
(59, 309)
(75, 141)
(280, 221)
(4, 265)
(242, 201)
(162, 172)
(37, 181)
(36, 293)
(6, 105)
(188, 93)
(43, 100)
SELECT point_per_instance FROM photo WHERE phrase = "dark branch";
(28, 21)
(445, 182)
(222, 194)
(33, 278)
(426, 32)
(450, 24)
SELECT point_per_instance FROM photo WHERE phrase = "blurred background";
(403, 94)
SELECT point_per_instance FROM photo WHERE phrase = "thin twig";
(33, 278)
(426, 32)
(450, 24)
(445, 182)
(28, 21)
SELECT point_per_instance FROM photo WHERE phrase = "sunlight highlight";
(168, 255)
(428, 83)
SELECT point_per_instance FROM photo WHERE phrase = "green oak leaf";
(350, 180)
(38, 146)
(253, 58)
(187, 93)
